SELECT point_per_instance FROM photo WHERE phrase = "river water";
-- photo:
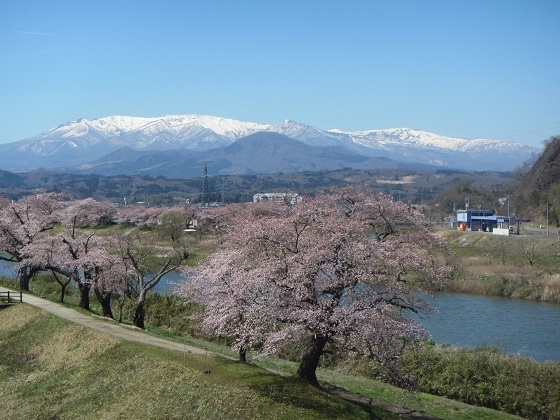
(514, 326)
(7, 269)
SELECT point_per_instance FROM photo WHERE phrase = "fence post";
(20, 296)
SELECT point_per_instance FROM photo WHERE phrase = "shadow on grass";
(298, 393)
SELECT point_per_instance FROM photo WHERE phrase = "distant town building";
(291, 198)
(487, 221)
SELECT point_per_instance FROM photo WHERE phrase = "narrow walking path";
(106, 326)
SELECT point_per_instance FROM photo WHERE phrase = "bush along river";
(514, 326)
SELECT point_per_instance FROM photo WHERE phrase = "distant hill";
(262, 152)
(545, 172)
(8, 179)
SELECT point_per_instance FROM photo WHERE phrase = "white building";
(291, 198)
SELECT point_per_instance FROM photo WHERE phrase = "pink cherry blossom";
(21, 222)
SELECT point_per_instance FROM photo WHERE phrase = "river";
(514, 326)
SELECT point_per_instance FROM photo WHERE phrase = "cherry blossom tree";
(20, 224)
(110, 280)
(338, 273)
(82, 256)
(145, 265)
(219, 219)
(4, 202)
(88, 212)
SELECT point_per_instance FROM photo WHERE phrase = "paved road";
(106, 326)
(540, 233)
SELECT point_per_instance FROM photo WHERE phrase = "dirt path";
(105, 325)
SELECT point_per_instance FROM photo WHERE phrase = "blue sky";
(474, 69)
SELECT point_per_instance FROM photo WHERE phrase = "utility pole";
(547, 226)
(508, 213)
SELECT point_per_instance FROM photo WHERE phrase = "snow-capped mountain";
(83, 141)
(196, 132)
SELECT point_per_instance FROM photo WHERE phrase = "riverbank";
(514, 266)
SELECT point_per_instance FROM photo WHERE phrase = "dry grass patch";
(482, 270)
(18, 318)
(69, 348)
(551, 291)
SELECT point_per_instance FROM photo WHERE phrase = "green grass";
(50, 368)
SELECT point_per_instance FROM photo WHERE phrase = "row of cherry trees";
(339, 273)
(48, 232)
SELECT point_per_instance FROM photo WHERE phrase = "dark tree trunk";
(120, 300)
(62, 291)
(139, 312)
(63, 284)
(105, 301)
(84, 295)
(139, 315)
(24, 276)
(243, 355)
(310, 360)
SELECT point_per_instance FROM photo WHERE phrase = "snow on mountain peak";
(203, 132)
(420, 138)
(120, 124)
(226, 127)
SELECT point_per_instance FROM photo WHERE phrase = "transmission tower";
(205, 193)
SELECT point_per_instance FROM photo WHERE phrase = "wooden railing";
(11, 297)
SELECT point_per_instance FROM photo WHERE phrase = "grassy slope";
(50, 368)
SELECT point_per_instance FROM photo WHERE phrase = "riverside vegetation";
(514, 266)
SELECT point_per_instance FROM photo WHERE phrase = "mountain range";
(177, 145)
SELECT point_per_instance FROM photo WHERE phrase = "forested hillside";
(415, 187)
(541, 186)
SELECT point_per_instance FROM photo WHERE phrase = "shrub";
(167, 311)
(488, 378)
